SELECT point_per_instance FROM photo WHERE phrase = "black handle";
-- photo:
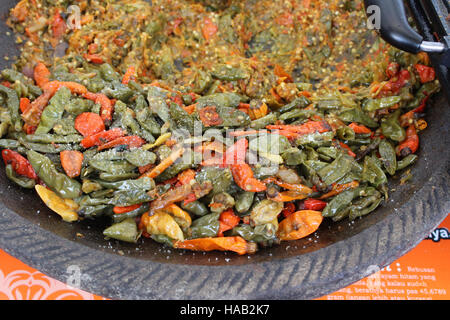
(394, 26)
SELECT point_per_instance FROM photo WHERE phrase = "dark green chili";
(58, 182)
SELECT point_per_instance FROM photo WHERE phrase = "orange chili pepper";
(235, 244)
(233, 155)
(289, 208)
(314, 204)
(288, 196)
(346, 147)
(339, 188)
(19, 163)
(289, 186)
(242, 133)
(299, 225)
(20, 11)
(71, 161)
(100, 138)
(209, 116)
(244, 178)
(274, 93)
(59, 26)
(213, 146)
(170, 142)
(94, 58)
(426, 74)
(74, 87)
(359, 128)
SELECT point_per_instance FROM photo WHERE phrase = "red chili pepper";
(289, 208)
(392, 70)
(89, 123)
(190, 198)
(74, 87)
(94, 58)
(346, 147)
(106, 105)
(190, 109)
(71, 161)
(306, 128)
(59, 26)
(288, 134)
(314, 204)
(129, 141)
(120, 210)
(394, 86)
(32, 116)
(236, 153)
(20, 164)
(102, 137)
(280, 72)
(426, 74)
(410, 144)
(422, 106)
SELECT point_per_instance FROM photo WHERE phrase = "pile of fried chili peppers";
(96, 142)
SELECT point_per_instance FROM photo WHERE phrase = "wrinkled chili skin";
(19, 164)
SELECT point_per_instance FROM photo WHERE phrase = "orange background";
(420, 274)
